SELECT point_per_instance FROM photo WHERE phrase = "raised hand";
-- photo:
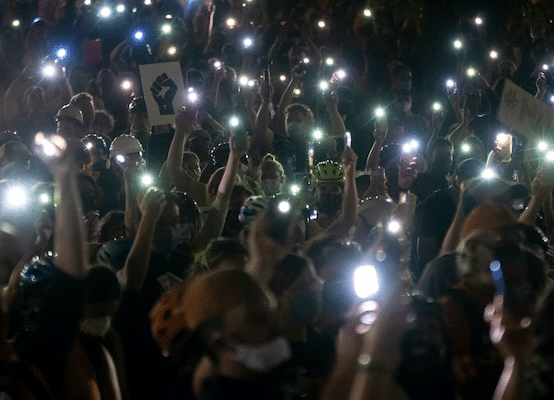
(165, 103)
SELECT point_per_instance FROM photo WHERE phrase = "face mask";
(294, 129)
(306, 307)
(96, 326)
(263, 358)
(165, 241)
(271, 186)
(330, 203)
(441, 164)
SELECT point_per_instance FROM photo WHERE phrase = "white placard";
(164, 91)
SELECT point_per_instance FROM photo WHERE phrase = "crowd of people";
(325, 218)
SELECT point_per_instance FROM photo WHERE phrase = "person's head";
(34, 101)
(69, 122)
(471, 147)
(232, 322)
(441, 152)
(111, 227)
(126, 150)
(403, 101)
(14, 151)
(467, 171)
(103, 296)
(106, 82)
(298, 118)
(85, 103)
(103, 122)
(401, 78)
(191, 165)
(271, 176)
(199, 142)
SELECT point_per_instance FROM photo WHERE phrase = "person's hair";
(103, 118)
(102, 285)
(439, 142)
(80, 96)
(187, 155)
(222, 248)
(111, 220)
(297, 108)
(214, 181)
(269, 160)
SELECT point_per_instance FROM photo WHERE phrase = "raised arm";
(133, 274)
(262, 139)
(286, 99)
(179, 178)
(379, 136)
(12, 97)
(331, 104)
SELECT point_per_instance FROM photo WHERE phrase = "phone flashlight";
(311, 153)
(550, 156)
(52, 146)
(146, 180)
(138, 35)
(478, 21)
(171, 50)
(450, 83)
(437, 106)
(126, 84)
(348, 137)
(192, 97)
(247, 42)
(282, 78)
(243, 80)
(297, 92)
(321, 24)
(234, 122)
(458, 44)
(120, 158)
(542, 146)
(88, 2)
(502, 138)
(44, 198)
(341, 74)
(471, 72)
(552, 99)
(120, 8)
(294, 189)
(329, 61)
(306, 60)
(366, 282)
(168, 16)
(488, 174)
(493, 54)
(367, 13)
(16, 197)
(105, 12)
(410, 147)
(324, 86)
(231, 23)
(380, 112)
(466, 148)
(217, 64)
(49, 71)
(166, 28)
(147, 2)
(61, 53)
(318, 135)
(545, 67)
(284, 207)
(16, 23)
(394, 227)
(498, 278)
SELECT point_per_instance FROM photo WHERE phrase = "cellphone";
(503, 143)
(280, 222)
(311, 154)
(348, 137)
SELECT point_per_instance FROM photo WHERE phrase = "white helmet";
(125, 144)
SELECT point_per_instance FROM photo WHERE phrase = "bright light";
(552, 99)
(550, 156)
(16, 197)
(44, 198)
(394, 227)
(190, 89)
(367, 13)
(365, 281)
(542, 146)
(126, 85)
(466, 148)
(306, 60)
(138, 35)
(243, 80)
(458, 44)
(478, 21)
(134, 10)
(147, 2)
(168, 16)
(414, 144)
(171, 50)
(323, 85)
(295, 189)
(88, 2)
(146, 180)
(192, 97)
(89, 146)
(493, 54)
(234, 122)
(471, 72)
(318, 135)
(437, 106)
(247, 42)
(284, 207)
(49, 71)
(450, 83)
(379, 112)
(231, 23)
(297, 92)
(545, 66)
(251, 83)
(105, 12)
(488, 174)
(61, 53)
(341, 74)
(120, 158)
(502, 138)
(321, 24)
(217, 64)
(120, 8)
(329, 61)
(283, 78)
(16, 23)
(166, 28)
(411, 146)
(48, 148)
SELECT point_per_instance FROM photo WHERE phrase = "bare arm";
(179, 178)
(331, 104)
(286, 99)
(379, 136)
(262, 139)
(12, 97)
(541, 192)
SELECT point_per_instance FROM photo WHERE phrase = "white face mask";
(263, 358)
(96, 326)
